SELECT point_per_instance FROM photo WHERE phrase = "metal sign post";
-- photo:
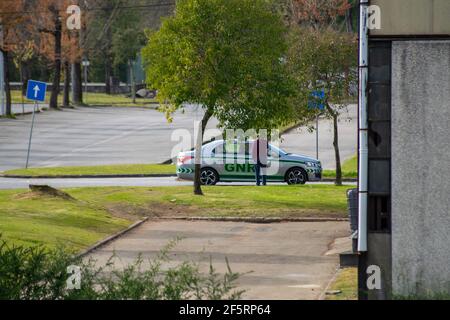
(317, 137)
(31, 134)
(316, 102)
(35, 91)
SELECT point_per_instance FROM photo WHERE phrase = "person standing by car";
(259, 156)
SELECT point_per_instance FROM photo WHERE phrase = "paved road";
(13, 183)
(286, 260)
(302, 141)
(96, 136)
(92, 136)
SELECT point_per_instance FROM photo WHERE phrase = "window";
(218, 151)
(379, 214)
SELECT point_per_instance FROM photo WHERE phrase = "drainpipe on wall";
(363, 126)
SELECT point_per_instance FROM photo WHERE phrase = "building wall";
(420, 167)
(379, 191)
(413, 17)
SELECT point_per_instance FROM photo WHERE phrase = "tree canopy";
(325, 60)
(226, 55)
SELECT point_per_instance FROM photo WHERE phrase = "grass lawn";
(95, 213)
(219, 201)
(27, 218)
(96, 170)
(349, 169)
(347, 283)
(93, 99)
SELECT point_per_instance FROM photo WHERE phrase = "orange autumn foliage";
(318, 13)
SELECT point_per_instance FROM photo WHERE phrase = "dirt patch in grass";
(154, 210)
(325, 201)
(39, 195)
(173, 210)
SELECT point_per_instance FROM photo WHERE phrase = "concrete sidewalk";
(286, 260)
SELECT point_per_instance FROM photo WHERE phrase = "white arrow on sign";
(36, 91)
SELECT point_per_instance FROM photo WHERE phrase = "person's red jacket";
(259, 151)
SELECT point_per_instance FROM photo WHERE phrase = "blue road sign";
(316, 100)
(36, 90)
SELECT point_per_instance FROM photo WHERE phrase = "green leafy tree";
(127, 42)
(101, 26)
(225, 55)
(115, 34)
(325, 60)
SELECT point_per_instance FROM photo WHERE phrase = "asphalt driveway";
(286, 260)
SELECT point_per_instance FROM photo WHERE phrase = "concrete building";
(405, 228)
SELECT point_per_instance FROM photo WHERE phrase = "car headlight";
(310, 164)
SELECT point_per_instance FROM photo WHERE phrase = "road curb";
(343, 180)
(90, 176)
(111, 238)
(253, 219)
(323, 295)
(151, 106)
(168, 175)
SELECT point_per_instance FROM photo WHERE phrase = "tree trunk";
(77, 92)
(198, 153)
(24, 76)
(133, 82)
(349, 20)
(66, 100)
(336, 150)
(108, 74)
(57, 65)
(8, 109)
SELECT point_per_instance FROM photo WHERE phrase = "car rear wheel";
(296, 176)
(209, 177)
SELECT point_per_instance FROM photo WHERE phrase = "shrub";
(38, 273)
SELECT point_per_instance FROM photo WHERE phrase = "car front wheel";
(296, 176)
(209, 177)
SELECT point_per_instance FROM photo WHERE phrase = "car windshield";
(278, 150)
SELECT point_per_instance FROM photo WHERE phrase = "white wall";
(420, 167)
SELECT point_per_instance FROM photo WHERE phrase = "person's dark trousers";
(260, 177)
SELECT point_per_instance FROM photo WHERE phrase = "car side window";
(219, 150)
(230, 148)
(248, 149)
(242, 149)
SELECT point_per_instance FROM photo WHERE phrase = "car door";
(216, 160)
(244, 168)
(228, 161)
(236, 163)
(274, 170)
